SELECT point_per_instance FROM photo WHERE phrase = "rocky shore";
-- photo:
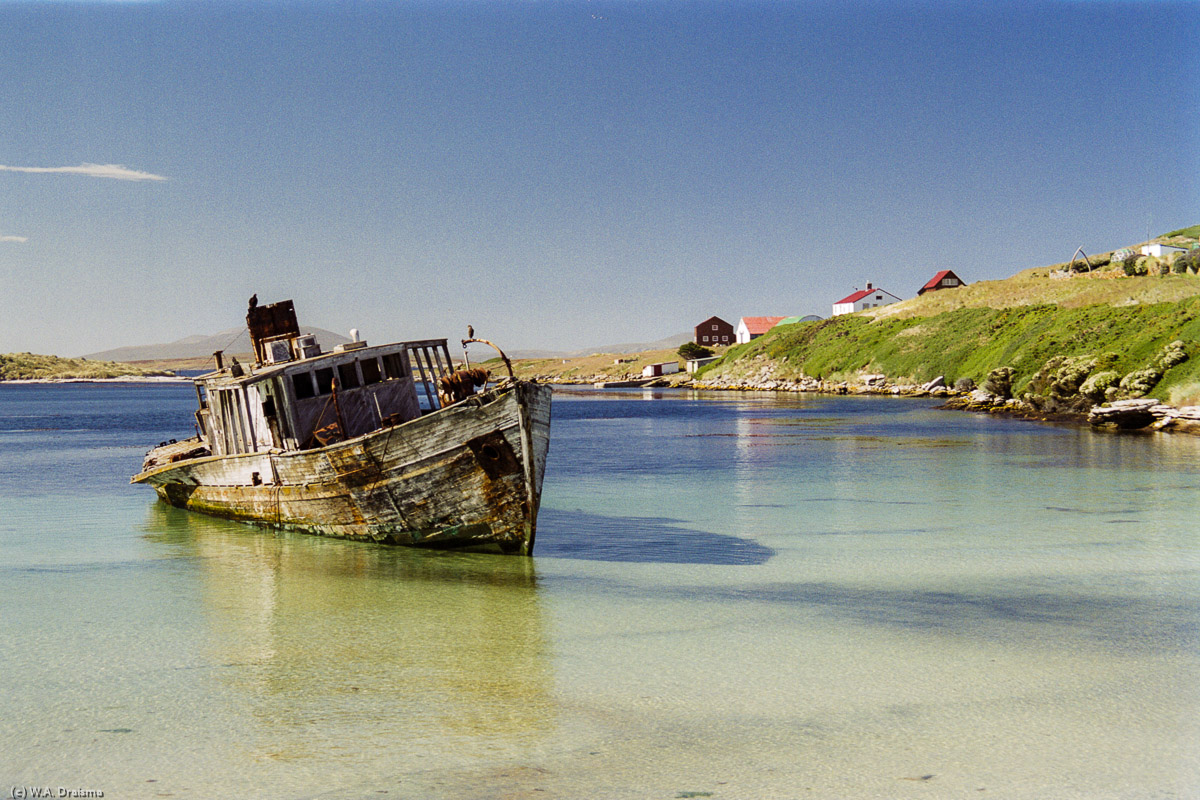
(1131, 414)
(1146, 413)
(1069, 390)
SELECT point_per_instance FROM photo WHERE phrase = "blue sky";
(566, 174)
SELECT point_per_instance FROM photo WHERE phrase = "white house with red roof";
(946, 279)
(753, 327)
(871, 297)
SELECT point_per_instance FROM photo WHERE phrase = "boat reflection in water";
(345, 651)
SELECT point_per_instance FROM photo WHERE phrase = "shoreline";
(124, 379)
(1166, 419)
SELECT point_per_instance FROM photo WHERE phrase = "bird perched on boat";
(254, 300)
(470, 332)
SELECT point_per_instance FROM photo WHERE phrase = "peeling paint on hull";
(469, 475)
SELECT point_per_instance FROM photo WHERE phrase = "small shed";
(946, 279)
(1159, 250)
(655, 370)
(694, 364)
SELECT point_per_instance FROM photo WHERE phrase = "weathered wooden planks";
(469, 475)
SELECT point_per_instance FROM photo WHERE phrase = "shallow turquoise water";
(752, 596)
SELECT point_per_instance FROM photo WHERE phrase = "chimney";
(868, 286)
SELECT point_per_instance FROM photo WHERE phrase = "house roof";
(859, 295)
(936, 279)
(757, 325)
(794, 320)
(712, 320)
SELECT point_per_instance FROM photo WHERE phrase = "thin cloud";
(14, 238)
(115, 171)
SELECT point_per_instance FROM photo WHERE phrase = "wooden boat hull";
(469, 475)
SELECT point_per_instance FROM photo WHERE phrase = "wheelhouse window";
(393, 367)
(370, 370)
(347, 376)
(325, 380)
(302, 385)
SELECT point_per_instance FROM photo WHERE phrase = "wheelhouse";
(295, 397)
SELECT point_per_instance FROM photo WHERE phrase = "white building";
(753, 327)
(1160, 250)
(871, 297)
(655, 370)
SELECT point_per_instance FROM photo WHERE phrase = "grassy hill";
(1050, 326)
(29, 366)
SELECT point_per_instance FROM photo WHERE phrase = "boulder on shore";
(1125, 414)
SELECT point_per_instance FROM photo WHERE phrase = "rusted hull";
(469, 475)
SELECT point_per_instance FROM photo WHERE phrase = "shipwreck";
(387, 443)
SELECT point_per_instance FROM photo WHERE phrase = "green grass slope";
(1021, 323)
(29, 366)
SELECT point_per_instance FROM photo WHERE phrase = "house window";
(949, 282)
(704, 338)
(714, 327)
(878, 297)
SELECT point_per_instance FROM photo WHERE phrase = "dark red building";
(713, 331)
(945, 279)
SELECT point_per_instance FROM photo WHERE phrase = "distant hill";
(236, 341)
(29, 366)
(668, 343)
(232, 341)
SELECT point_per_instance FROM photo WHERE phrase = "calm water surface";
(734, 596)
